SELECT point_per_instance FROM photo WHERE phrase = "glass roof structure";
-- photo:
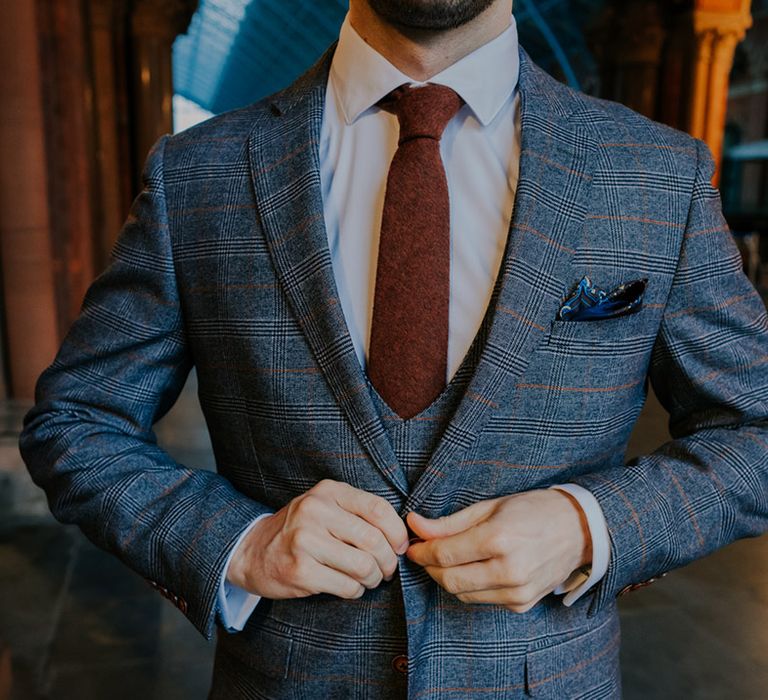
(237, 51)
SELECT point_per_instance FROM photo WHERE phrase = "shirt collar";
(361, 76)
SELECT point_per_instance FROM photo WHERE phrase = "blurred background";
(86, 87)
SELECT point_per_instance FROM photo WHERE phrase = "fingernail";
(403, 547)
(389, 578)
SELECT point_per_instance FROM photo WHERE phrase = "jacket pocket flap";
(263, 647)
(589, 661)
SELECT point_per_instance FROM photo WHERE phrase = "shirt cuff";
(235, 603)
(579, 583)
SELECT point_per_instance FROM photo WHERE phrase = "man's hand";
(334, 538)
(510, 551)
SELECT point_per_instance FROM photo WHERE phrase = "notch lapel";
(284, 161)
(556, 163)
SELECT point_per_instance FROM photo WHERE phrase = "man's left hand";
(511, 551)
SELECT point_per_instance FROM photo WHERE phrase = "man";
(381, 524)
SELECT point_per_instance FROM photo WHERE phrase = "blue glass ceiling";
(237, 51)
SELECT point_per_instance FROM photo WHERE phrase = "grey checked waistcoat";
(414, 440)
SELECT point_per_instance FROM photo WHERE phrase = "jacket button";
(400, 663)
(642, 584)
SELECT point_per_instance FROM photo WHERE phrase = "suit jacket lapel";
(283, 154)
(550, 205)
(535, 275)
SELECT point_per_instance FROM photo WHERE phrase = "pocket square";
(589, 303)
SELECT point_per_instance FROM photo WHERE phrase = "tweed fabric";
(414, 439)
(408, 350)
(224, 264)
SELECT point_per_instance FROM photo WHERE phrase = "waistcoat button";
(400, 663)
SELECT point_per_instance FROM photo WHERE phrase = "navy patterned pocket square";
(588, 303)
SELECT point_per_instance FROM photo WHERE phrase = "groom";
(417, 453)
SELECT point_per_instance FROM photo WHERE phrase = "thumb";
(427, 528)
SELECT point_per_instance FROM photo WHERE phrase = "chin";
(429, 15)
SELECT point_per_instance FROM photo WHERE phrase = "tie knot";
(422, 111)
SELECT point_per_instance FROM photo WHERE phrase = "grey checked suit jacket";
(223, 264)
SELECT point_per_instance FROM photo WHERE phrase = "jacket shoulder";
(224, 137)
(616, 127)
(220, 139)
(623, 135)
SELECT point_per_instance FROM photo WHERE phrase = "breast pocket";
(606, 334)
(612, 346)
(587, 383)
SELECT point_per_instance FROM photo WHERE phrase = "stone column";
(675, 83)
(86, 88)
(27, 259)
(718, 26)
(154, 26)
(109, 57)
(70, 139)
(628, 44)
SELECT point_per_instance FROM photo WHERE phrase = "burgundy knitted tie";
(408, 350)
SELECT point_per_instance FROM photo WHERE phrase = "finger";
(319, 578)
(520, 597)
(474, 544)
(349, 560)
(468, 578)
(377, 511)
(359, 533)
(428, 528)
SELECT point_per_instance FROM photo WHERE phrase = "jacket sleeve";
(708, 486)
(88, 440)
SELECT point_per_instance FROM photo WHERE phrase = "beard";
(429, 14)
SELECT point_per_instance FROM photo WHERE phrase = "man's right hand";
(334, 538)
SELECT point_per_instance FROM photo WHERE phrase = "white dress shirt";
(480, 148)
